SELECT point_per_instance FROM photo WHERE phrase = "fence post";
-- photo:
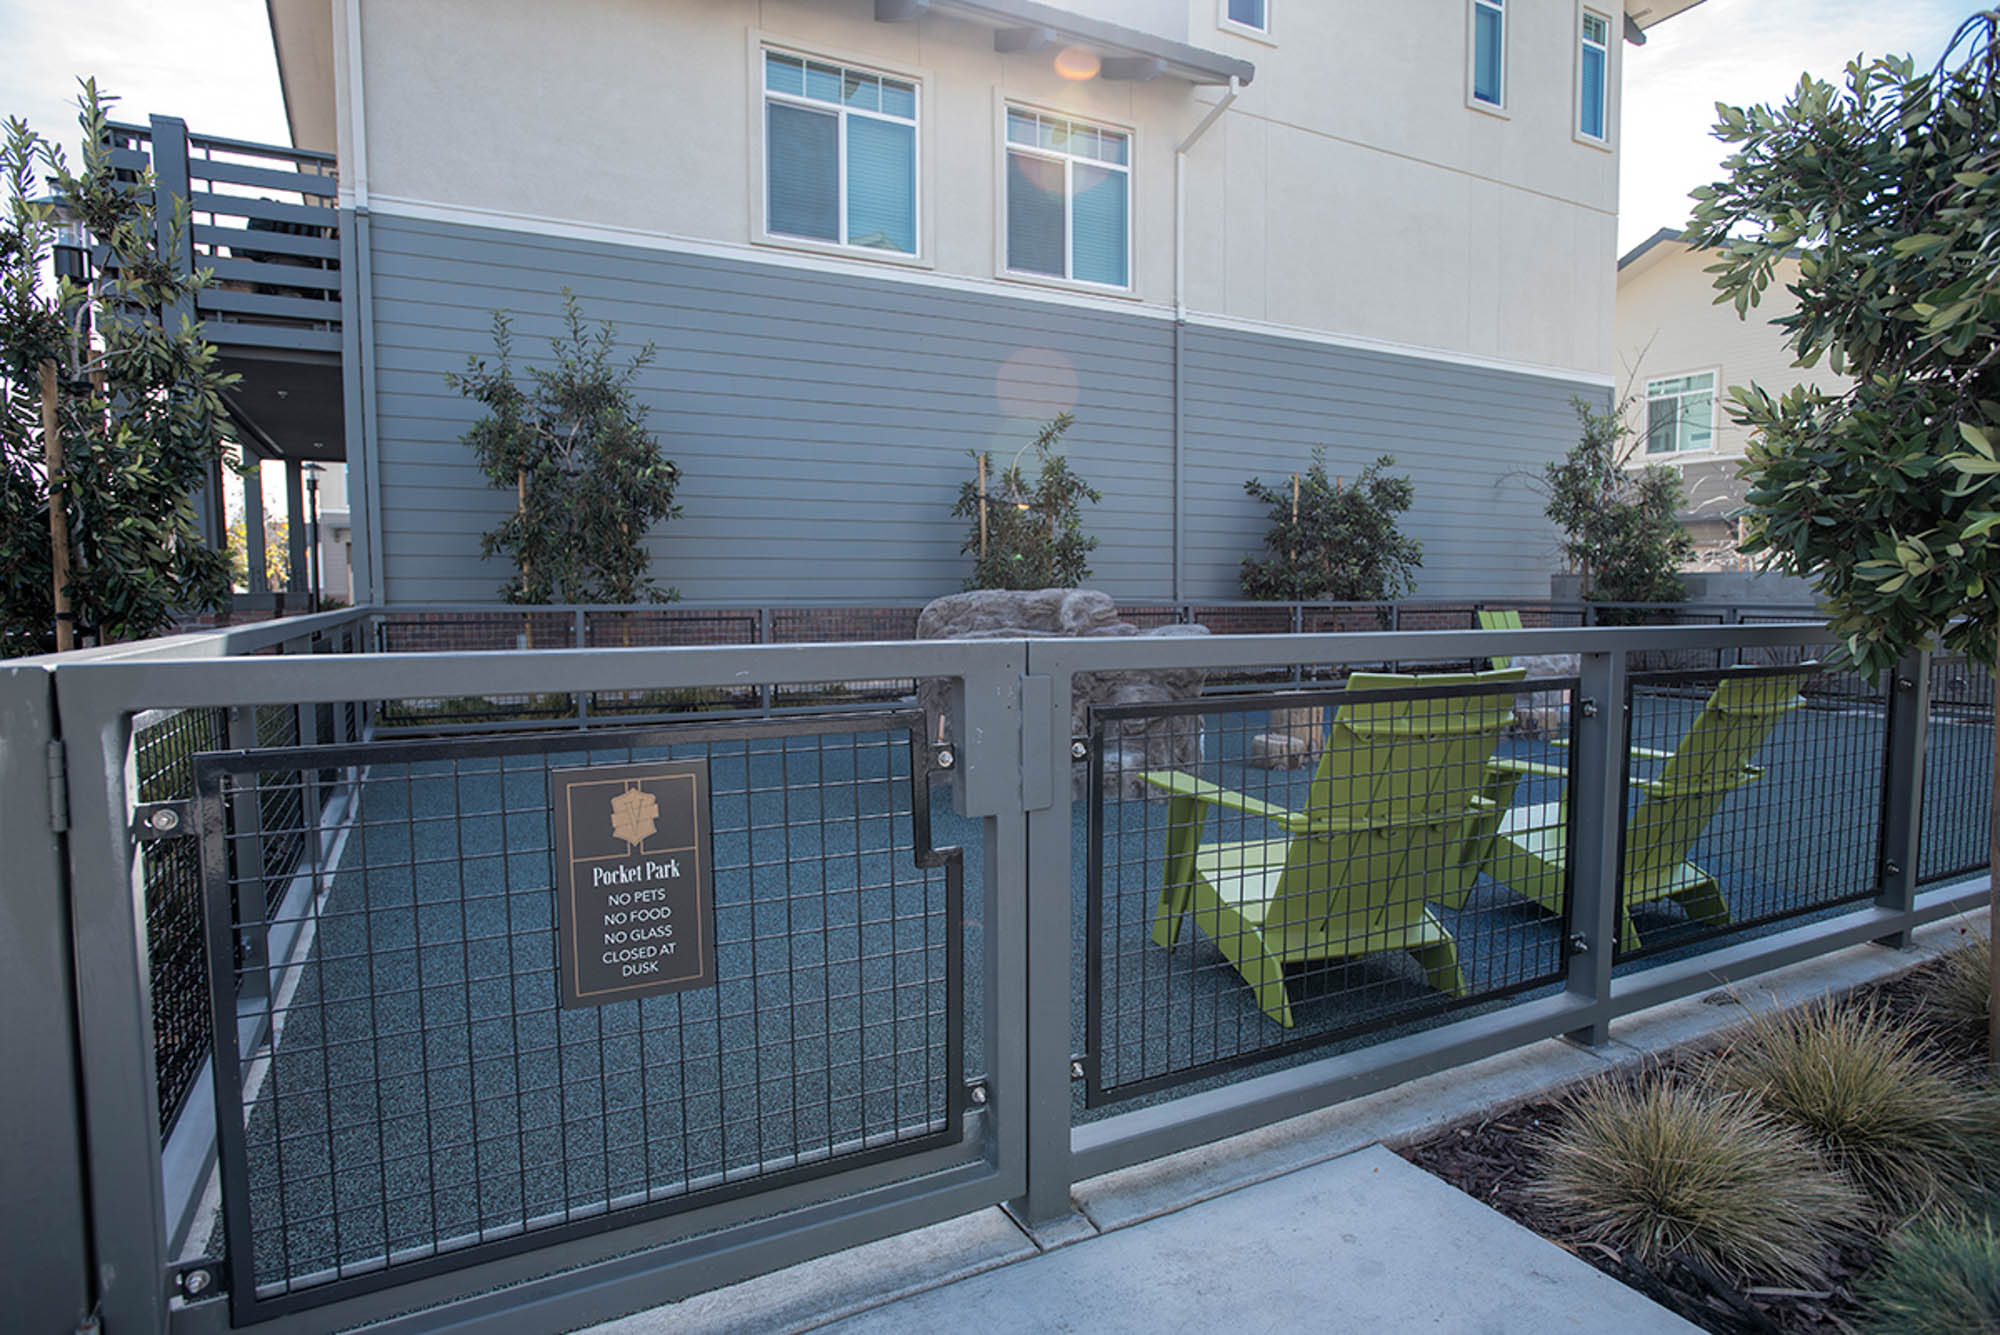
(1044, 796)
(1597, 820)
(43, 1235)
(1909, 721)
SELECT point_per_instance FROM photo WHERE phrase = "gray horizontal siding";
(823, 423)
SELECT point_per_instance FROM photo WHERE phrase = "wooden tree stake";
(1293, 554)
(58, 511)
(1993, 905)
(982, 507)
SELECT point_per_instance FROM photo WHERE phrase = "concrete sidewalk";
(1309, 1224)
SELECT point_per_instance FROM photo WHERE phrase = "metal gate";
(400, 1090)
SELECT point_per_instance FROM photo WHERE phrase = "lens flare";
(1074, 62)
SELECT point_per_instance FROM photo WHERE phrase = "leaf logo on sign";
(635, 816)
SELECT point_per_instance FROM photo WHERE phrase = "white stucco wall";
(1350, 190)
(1669, 325)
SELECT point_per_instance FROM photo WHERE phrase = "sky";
(210, 62)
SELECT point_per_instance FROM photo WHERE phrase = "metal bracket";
(1076, 1068)
(203, 1278)
(154, 821)
(1587, 708)
(1079, 748)
(1579, 944)
(976, 1093)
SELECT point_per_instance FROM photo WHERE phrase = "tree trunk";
(58, 510)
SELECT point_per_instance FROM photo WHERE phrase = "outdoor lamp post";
(313, 571)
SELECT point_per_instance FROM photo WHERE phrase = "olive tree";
(138, 406)
(1885, 496)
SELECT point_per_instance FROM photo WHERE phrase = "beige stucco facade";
(1352, 188)
(1670, 327)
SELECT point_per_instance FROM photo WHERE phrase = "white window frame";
(1069, 161)
(760, 177)
(1714, 392)
(1472, 98)
(1254, 33)
(1584, 15)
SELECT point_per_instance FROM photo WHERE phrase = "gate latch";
(153, 821)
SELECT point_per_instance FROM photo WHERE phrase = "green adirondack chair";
(1527, 849)
(1499, 618)
(1384, 825)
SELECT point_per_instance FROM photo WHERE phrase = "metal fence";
(988, 918)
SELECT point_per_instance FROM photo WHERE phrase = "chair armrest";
(1528, 767)
(1641, 752)
(1186, 785)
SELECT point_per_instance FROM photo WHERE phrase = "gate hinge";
(58, 767)
(152, 821)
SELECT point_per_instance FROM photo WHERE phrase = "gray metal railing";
(1008, 747)
(262, 221)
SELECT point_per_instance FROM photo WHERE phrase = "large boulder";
(1165, 741)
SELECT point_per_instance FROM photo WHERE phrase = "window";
(1068, 199)
(1247, 14)
(1592, 69)
(1680, 413)
(1489, 52)
(840, 155)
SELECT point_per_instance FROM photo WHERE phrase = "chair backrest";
(1394, 783)
(1499, 618)
(1395, 761)
(1712, 761)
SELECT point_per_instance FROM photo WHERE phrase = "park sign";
(635, 903)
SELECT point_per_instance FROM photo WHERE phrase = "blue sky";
(210, 62)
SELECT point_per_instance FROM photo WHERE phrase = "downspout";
(1180, 330)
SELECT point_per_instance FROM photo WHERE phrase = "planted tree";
(1028, 535)
(1332, 543)
(1621, 528)
(1886, 496)
(589, 478)
(111, 414)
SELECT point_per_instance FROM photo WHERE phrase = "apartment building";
(870, 236)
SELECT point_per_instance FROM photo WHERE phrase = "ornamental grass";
(1889, 1118)
(1678, 1172)
(1958, 994)
(1941, 1277)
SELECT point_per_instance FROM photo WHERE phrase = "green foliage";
(1342, 546)
(1889, 1118)
(1621, 526)
(1672, 1171)
(1942, 1277)
(140, 410)
(1034, 535)
(277, 544)
(1888, 190)
(589, 478)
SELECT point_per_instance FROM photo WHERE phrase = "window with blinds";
(1489, 52)
(1068, 205)
(840, 155)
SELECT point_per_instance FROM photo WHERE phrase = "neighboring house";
(869, 236)
(1680, 353)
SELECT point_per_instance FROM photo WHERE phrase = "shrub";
(1334, 544)
(1621, 526)
(1668, 1171)
(588, 476)
(1882, 1113)
(1940, 1278)
(1030, 537)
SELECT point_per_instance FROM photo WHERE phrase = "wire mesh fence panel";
(1268, 873)
(457, 632)
(164, 748)
(1753, 795)
(645, 626)
(1958, 771)
(411, 1094)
